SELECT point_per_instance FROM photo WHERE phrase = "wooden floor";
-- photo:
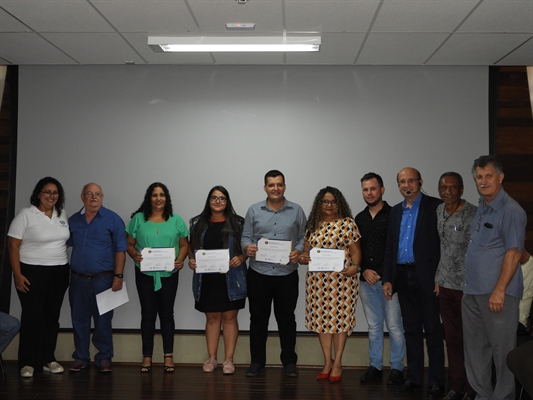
(190, 382)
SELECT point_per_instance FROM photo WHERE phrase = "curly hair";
(146, 206)
(232, 225)
(315, 216)
(34, 198)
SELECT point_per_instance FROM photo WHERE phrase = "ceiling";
(354, 32)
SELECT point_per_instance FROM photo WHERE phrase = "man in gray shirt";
(275, 218)
(454, 219)
(493, 283)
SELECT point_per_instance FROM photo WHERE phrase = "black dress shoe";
(435, 391)
(407, 387)
(395, 377)
(453, 395)
(372, 374)
(291, 370)
(254, 370)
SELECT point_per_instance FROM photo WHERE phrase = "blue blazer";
(426, 246)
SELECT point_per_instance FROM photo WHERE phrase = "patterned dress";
(332, 297)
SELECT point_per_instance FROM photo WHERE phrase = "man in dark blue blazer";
(411, 258)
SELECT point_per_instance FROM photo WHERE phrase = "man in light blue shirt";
(493, 283)
(275, 218)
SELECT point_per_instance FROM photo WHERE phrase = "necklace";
(446, 218)
(221, 220)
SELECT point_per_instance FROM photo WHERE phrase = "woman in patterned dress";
(332, 296)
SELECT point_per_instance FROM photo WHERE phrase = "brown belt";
(91, 276)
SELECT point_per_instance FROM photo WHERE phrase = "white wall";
(194, 127)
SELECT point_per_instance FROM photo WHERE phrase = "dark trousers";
(520, 362)
(421, 317)
(283, 292)
(450, 311)
(153, 304)
(41, 307)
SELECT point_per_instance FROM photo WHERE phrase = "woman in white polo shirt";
(38, 254)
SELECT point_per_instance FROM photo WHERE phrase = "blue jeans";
(377, 309)
(83, 307)
(9, 327)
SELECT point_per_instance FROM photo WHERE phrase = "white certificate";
(212, 261)
(323, 260)
(273, 251)
(109, 300)
(158, 259)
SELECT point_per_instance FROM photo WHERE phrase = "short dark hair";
(483, 161)
(454, 174)
(34, 198)
(372, 175)
(273, 173)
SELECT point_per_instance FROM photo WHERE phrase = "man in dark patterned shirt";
(373, 223)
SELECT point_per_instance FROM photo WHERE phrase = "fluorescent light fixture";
(234, 44)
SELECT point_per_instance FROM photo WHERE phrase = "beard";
(374, 203)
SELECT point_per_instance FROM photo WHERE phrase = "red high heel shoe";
(323, 376)
(333, 378)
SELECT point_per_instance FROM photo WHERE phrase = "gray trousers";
(489, 337)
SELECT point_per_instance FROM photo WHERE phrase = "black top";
(373, 238)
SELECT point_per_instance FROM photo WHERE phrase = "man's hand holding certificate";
(273, 251)
(212, 261)
(326, 260)
(157, 259)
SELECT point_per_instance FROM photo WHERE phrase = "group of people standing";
(411, 258)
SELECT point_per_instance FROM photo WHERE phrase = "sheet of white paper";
(323, 260)
(109, 300)
(273, 251)
(158, 259)
(210, 261)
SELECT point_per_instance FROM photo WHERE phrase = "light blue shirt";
(407, 231)
(287, 223)
(497, 227)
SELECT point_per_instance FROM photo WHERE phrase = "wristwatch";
(121, 276)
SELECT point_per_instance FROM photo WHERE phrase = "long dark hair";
(232, 225)
(146, 206)
(315, 216)
(34, 198)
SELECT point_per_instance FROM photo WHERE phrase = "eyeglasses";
(409, 181)
(48, 193)
(91, 194)
(216, 199)
(329, 202)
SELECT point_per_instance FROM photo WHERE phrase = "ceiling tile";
(501, 16)
(150, 16)
(97, 48)
(329, 16)
(336, 49)
(57, 16)
(399, 48)
(480, 49)
(30, 48)
(212, 16)
(521, 56)
(421, 15)
(10, 24)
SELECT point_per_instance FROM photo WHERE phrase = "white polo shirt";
(43, 239)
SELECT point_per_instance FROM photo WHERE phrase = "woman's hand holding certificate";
(212, 261)
(323, 260)
(157, 259)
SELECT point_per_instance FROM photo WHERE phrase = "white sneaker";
(26, 372)
(53, 367)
